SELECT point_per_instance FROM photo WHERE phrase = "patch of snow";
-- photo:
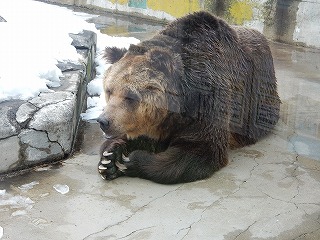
(34, 38)
(63, 189)
(41, 169)
(1, 232)
(15, 201)
(2, 192)
(44, 195)
(28, 186)
(19, 213)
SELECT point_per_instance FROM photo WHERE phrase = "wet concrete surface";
(270, 190)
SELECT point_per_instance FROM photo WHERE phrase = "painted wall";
(290, 21)
(175, 8)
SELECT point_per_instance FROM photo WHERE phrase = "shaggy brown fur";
(176, 101)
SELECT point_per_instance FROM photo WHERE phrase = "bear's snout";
(104, 123)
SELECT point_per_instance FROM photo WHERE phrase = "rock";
(71, 81)
(69, 66)
(84, 40)
(45, 99)
(57, 120)
(2, 19)
(38, 145)
(6, 126)
(25, 112)
(9, 149)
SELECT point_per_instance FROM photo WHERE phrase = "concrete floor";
(270, 190)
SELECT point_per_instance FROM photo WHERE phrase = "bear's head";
(141, 92)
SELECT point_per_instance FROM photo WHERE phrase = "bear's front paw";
(135, 164)
(109, 165)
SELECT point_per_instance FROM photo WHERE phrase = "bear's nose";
(104, 123)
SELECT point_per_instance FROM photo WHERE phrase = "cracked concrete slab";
(255, 197)
(38, 146)
(54, 119)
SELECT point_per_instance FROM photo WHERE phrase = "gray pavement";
(270, 190)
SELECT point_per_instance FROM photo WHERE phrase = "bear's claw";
(112, 161)
(105, 162)
(125, 159)
(107, 167)
(106, 154)
(121, 166)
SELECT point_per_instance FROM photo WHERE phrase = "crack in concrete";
(135, 231)
(245, 230)
(256, 221)
(200, 218)
(245, 180)
(296, 166)
(303, 235)
(220, 199)
(32, 117)
(133, 214)
(188, 230)
(305, 212)
(277, 199)
(9, 136)
(49, 140)
(57, 142)
(250, 174)
(37, 108)
(293, 175)
(49, 103)
(195, 222)
(296, 208)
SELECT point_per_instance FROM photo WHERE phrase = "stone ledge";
(44, 129)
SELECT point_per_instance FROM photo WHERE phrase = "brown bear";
(176, 103)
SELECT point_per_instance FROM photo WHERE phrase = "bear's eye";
(131, 98)
(108, 92)
(153, 88)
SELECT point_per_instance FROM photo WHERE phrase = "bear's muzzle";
(104, 123)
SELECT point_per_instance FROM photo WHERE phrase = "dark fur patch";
(113, 54)
(139, 50)
(162, 60)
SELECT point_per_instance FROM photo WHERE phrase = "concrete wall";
(291, 21)
(44, 129)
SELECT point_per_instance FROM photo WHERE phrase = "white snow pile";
(18, 202)
(61, 188)
(33, 39)
(28, 186)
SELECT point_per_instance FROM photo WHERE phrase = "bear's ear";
(163, 60)
(113, 54)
